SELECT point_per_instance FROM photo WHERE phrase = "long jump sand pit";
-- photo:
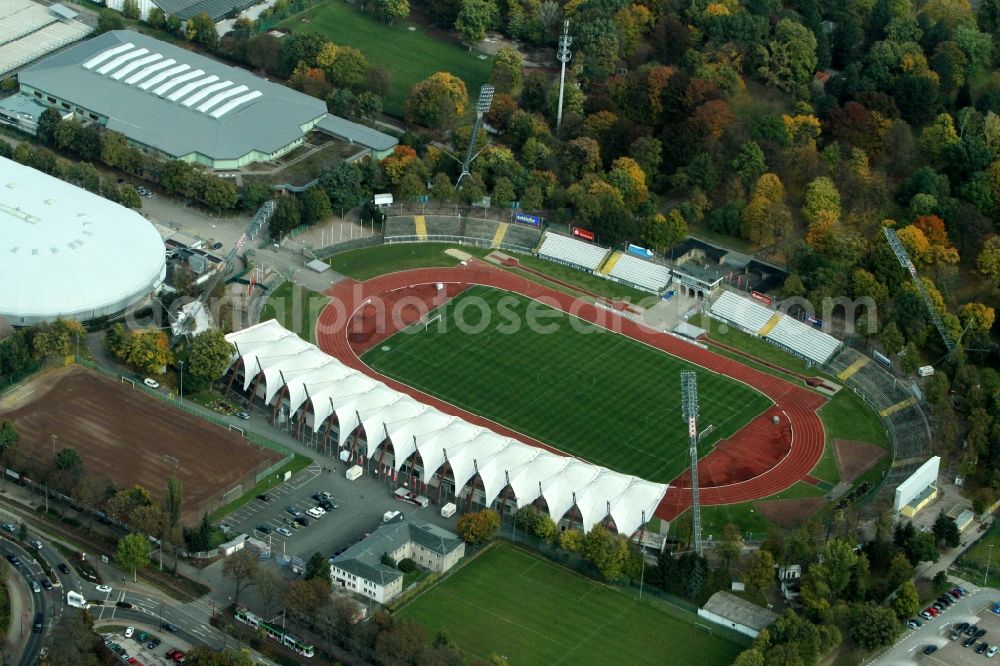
(130, 438)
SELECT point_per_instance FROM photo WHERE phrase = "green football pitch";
(589, 392)
(512, 603)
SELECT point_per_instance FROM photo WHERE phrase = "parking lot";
(140, 650)
(954, 654)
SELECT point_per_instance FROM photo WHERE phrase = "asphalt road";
(42, 601)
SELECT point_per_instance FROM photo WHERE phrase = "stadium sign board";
(639, 251)
(763, 298)
(524, 218)
(583, 233)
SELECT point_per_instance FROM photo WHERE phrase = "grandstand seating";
(444, 225)
(400, 226)
(771, 323)
(644, 274)
(522, 236)
(609, 265)
(803, 339)
(745, 313)
(566, 250)
(846, 373)
(27, 40)
(480, 229)
(420, 223)
(500, 233)
(898, 407)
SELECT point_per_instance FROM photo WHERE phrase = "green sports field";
(589, 392)
(512, 603)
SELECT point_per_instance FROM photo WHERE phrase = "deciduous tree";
(479, 527)
(821, 197)
(605, 551)
(474, 18)
(506, 72)
(390, 10)
(149, 351)
(133, 553)
(240, 567)
(760, 572)
(436, 101)
(988, 261)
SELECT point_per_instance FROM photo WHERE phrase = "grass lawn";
(584, 390)
(826, 468)
(847, 416)
(296, 308)
(512, 603)
(410, 56)
(744, 516)
(972, 564)
(369, 262)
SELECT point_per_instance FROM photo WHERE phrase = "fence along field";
(512, 603)
(598, 395)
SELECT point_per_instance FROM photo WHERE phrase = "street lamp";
(182, 379)
(988, 558)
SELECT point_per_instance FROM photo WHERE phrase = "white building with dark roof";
(360, 567)
(738, 614)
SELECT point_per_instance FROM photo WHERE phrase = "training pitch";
(130, 438)
(587, 391)
(512, 603)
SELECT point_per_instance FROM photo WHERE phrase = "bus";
(275, 633)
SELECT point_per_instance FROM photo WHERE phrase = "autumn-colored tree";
(399, 163)
(855, 125)
(988, 261)
(149, 351)
(506, 72)
(310, 80)
(664, 231)
(713, 117)
(628, 177)
(765, 217)
(821, 197)
(479, 526)
(938, 136)
(941, 250)
(802, 129)
(977, 317)
(865, 284)
(344, 66)
(581, 156)
(822, 231)
(390, 10)
(571, 540)
(436, 101)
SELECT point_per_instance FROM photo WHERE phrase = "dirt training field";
(130, 438)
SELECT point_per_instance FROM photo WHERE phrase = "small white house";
(790, 580)
(737, 614)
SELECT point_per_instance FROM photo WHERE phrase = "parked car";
(151, 383)
(244, 415)
(968, 641)
(980, 633)
(129, 631)
(123, 604)
(106, 589)
(63, 567)
(327, 505)
(962, 626)
(8, 527)
(927, 616)
(930, 649)
(284, 531)
(317, 497)
(302, 520)
(913, 623)
(35, 587)
(216, 246)
(169, 627)
(14, 559)
(263, 529)
(36, 544)
(316, 512)
(992, 651)
(982, 647)
(971, 629)
(954, 635)
(155, 643)
(263, 497)
(46, 583)
(294, 511)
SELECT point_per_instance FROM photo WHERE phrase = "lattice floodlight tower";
(904, 261)
(689, 408)
(482, 106)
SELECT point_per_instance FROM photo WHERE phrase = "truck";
(448, 510)
(925, 371)
(389, 516)
(354, 472)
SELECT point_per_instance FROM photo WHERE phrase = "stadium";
(395, 384)
(69, 253)
(179, 105)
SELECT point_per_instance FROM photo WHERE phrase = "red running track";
(798, 404)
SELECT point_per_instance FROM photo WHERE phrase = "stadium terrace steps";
(852, 368)
(609, 265)
(500, 233)
(400, 226)
(421, 225)
(771, 323)
(899, 406)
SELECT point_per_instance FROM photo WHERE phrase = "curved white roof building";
(69, 253)
(319, 387)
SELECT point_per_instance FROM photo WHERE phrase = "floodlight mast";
(482, 107)
(689, 409)
(563, 55)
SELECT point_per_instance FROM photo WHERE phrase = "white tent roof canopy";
(413, 427)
